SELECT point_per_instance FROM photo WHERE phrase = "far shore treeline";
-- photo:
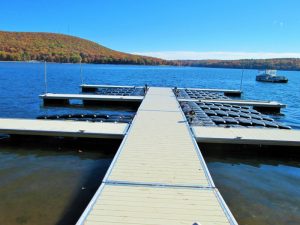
(50, 47)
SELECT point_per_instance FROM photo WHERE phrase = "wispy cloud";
(218, 55)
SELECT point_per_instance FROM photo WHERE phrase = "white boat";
(270, 76)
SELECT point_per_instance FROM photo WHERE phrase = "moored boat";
(270, 76)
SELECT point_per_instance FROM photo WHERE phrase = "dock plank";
(63, 128)
(265, 136)
(156, 205)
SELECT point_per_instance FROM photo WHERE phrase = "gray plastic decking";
(63, 128)
(266, 136)
(158, 175)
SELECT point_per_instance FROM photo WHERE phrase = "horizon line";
(217, 55)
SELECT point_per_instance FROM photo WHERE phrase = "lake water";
(258, 190)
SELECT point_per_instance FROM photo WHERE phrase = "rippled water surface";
(46, 181)
(39, 182)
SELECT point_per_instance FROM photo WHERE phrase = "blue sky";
(169, 29)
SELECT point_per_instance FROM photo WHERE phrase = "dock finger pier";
(158, 175)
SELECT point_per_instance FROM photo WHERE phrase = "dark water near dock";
(50, 181)
(258, 189)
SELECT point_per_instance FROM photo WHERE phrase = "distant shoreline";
(164, 65)
(35, 47)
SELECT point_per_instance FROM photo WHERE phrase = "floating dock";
(63, 128)
(158, 175)
(64, 99)
(269, 106)
(228, 92)
(95, 87)
(263, 136)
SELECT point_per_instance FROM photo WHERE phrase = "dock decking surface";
(215, 90)
(261, 136)
(92, 97)
(63, 128)
(255, 103)
(105, 86)
(145, 205)
(158, 175)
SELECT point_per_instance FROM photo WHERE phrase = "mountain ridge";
(52, 47)
(61, 48)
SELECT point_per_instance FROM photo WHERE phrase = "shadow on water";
(51, 179)
(94, 106)
(260, 184)
(255, 154)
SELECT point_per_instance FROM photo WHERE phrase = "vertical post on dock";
(241, 84)
(81, 77)
(45, 77)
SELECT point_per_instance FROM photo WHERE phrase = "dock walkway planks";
(158, 175)
(63, 128)
(261, 136)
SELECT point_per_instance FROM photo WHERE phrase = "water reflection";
(51, 184)
(260, 188)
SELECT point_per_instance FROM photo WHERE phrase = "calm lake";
(51, 180)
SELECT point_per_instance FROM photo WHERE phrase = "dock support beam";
(267, 109)
(233, 94)
(48, 101)
(88, 89)
(133, 104)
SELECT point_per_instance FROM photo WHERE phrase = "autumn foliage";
(24, 46)
(279, 63)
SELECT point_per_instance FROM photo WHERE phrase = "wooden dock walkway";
(246, 136)
(63, 128)
(158, 175)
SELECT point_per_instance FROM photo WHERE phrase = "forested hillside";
(280, 64)
(23, 46)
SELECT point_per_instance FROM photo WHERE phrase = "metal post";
(45, 77)
(81, 77)
(241, 84)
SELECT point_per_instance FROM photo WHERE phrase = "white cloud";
(218, 55)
